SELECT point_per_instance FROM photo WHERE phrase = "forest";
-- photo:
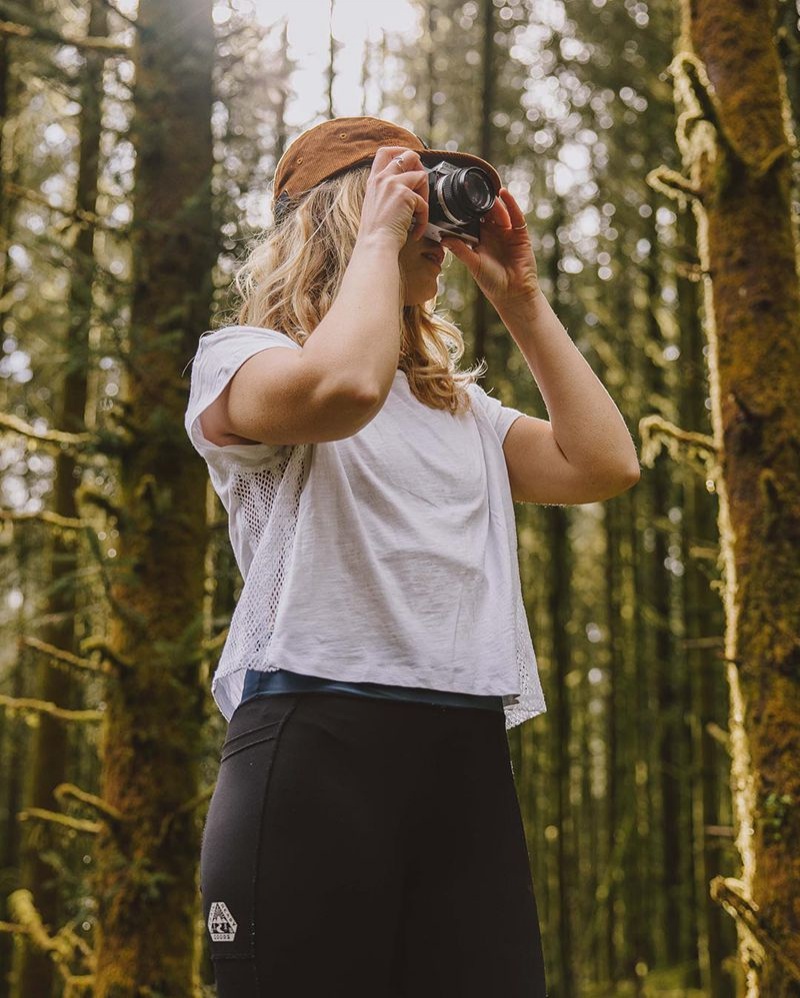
(653, 147)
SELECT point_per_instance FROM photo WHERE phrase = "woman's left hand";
(502, 264)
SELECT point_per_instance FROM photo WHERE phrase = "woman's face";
(421, 263)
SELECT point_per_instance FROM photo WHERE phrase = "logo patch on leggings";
(221, 924)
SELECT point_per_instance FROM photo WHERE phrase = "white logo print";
(221, 924)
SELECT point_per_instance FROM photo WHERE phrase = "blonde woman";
(364, 838)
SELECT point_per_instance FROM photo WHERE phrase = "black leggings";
(368, 848)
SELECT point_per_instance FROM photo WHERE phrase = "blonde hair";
(293, 273)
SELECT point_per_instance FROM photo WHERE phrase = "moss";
(732, 136)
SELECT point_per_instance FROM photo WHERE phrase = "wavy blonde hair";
(293, 273)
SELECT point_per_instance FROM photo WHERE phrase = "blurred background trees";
(137, 146)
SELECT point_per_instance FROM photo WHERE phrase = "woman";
(364, 837)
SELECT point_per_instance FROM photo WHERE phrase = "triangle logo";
(221, 924)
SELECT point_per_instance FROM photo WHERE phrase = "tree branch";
(185, 808)
(72, 440)
(60, 947)
(673, 184)
(79, 214)
(101, 644)
(70, 791)
(720, 735)
(92, 496)
(13, 927)
(45, 707)
(730, 894)
(22, 908)
(42, 814)
(45, 516)
(61, 656)
(41, 33)
(212, 644)
(655, 432)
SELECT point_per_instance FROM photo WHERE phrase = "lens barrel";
(465, 194)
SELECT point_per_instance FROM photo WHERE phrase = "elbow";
(629, 477)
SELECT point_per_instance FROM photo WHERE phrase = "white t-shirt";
(386, 557)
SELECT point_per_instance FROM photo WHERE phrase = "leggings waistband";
(258, 682)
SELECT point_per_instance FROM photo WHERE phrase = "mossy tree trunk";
(703, 638)
(148, 851)
(737, 143)
(12, 728)
(47, 765)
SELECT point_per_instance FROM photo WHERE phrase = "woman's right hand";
(396, 197)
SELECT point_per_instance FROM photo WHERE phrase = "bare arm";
(356, 346)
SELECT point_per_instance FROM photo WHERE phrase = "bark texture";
(147, 856)
(736, 140)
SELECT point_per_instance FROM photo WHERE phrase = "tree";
(148, 844)
(737, 148)
(47, 767)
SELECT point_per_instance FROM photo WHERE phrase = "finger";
(383, 156)
(498, 214)
(462, 251)
(417, 183)
(421, 214)
(410, 159)
(386, 153)
(515, 213)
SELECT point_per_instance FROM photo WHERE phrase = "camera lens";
(466, 194)
(476, 188)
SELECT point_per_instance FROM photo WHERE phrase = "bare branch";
(22, 908)
(69, 790)
(88, 494)
(45, 707)
(710, 641)
(730, 893)
(61, 656)
(45, 516)
(79, 214)
(101, 644)
(655, 432)
(212, 644)
(673, 185)
(185, 808)
(11, 422)
(61, 947)
(76, 985)
(720, 735)
(42, 814)
(40, 33)
(13, 927)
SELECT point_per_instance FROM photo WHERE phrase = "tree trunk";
(47, 765)
(284, 72)
(703, 616)
(332, 49)
(13, 728)
(737, 152)
(615, 828)
(147, 855)
(480, 308)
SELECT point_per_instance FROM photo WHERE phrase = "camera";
(458, 197)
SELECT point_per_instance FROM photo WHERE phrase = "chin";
(423, 298)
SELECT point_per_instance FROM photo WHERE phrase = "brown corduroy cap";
(340, 143)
